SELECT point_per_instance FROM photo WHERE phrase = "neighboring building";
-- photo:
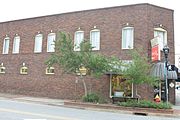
(26, 44)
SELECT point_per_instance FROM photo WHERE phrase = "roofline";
(86, 11)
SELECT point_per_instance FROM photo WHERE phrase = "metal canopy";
(158, 70)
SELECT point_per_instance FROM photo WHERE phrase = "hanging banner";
(154, 42)
(155, 53)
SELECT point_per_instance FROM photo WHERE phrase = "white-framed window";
(95, 39)
(127, 37)
(120, 87)
(161, 34)
(78, 38)
(38, 43)
(6, 45)
(50, 42)
(16, 44)
(50, 70)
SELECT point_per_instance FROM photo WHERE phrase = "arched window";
(38, 43)
(6, 45)
(161, 34)
(50, 42)
(16, 44)
(78, 38)
(95, 39)
(127, 37)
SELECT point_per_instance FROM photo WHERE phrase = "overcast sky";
(18, 9)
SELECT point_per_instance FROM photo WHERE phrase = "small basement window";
(2, 69)
(50, 70)
(24, 69)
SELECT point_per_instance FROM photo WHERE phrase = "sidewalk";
(98, 107)
(47, 101)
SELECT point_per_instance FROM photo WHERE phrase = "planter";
(111, 107)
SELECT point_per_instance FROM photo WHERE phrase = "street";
(19, 110)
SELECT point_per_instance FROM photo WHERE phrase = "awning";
(172, 75)
(158, 70)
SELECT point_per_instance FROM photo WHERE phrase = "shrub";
(146, 104)
(91, 97)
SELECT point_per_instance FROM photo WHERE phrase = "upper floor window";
(6, 45)
(161, 35)
(38, 43)
(95, 39)
(78, 38)
(50, 42)
(16, 44)
(127, 37)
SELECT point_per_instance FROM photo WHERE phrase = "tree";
(70, 61)
(138, 71)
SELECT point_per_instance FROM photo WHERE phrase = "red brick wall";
(110, 21)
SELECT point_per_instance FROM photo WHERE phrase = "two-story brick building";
(26, 44)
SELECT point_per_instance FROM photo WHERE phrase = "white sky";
(18, 9)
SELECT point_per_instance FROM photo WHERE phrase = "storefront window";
(120, 87)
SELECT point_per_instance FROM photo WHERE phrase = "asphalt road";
(18, 110)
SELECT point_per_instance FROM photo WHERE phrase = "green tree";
(70, 61)
(138, 71)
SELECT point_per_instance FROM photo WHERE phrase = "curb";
(124, 110)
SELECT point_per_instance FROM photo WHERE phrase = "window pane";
(6, 45)
(79, 36)
(120, 87)
(38, 43)
(95, 39)
(50, 42)
(127, 38)
(16, 44)
(161, 38)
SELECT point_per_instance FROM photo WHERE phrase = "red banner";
(155, 53)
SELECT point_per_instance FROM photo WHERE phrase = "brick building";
(26, 44)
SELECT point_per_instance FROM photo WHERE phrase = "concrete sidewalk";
(40, 100)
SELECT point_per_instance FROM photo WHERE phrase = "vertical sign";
(155, 53)
(155, 50)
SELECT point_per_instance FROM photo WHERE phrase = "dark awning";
(158, 70)
(172, 75)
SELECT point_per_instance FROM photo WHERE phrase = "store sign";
(154, 42)
(155, 49)
(155, 53)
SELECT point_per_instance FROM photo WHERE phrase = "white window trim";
(79, 31)
(96, 30)
(38, 35)
(50, 34)
(165, 35)
(14, 45)
(7, 46)
(122, 38)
